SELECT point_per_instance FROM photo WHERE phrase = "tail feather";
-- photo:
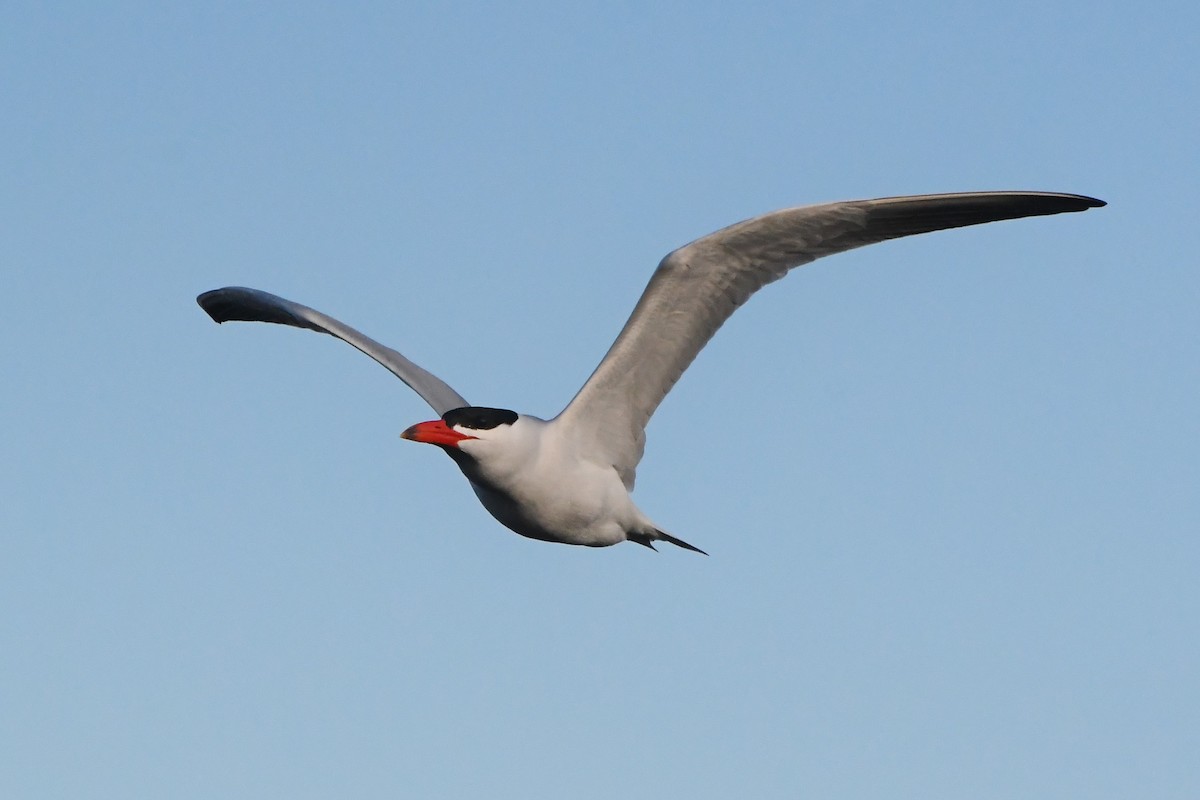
(666, 537)
(641, 539)
(648, 539)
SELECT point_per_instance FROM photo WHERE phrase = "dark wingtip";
(215, 305)
(894, 217)
(1085, 202)
(239, 304)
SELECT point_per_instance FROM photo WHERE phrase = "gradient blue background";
(949, 484)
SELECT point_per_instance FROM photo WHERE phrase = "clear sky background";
(949, 484)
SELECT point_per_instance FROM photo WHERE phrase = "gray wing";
(252, 305)
(697, 287)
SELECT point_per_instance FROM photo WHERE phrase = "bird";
(569, 479)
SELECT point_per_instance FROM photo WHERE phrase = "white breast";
(534, 482)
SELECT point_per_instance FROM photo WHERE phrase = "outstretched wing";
(697, 287)
(252, 305)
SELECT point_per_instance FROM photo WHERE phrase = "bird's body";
(521, 486)
(569, 479)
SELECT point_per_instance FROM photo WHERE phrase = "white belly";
(586, 506)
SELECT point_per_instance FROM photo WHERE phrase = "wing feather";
(253, 305)
(697, 287)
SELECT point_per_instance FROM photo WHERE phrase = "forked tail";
(647, 540)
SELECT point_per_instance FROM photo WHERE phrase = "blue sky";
(948, 484)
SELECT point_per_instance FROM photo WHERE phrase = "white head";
(462, 424)
(480, 440)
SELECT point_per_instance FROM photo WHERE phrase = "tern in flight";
(568, 479)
